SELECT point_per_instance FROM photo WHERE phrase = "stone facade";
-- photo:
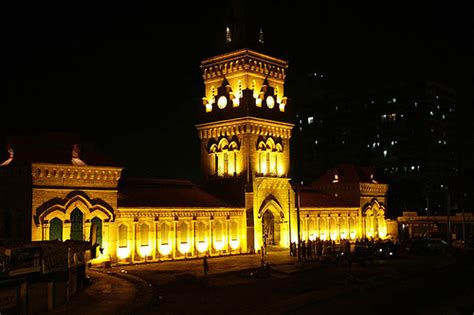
(248, 202)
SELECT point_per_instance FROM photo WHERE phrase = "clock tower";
(245, 135)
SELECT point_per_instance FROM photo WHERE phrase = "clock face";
(270, 102)
(222, 102)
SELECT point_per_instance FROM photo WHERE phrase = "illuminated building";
(247, 200)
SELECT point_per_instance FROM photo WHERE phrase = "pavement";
(107, 294)
(116, 290)
(138, 288)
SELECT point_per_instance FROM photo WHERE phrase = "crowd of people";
(316, 248)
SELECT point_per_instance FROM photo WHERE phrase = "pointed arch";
(62, 208)
(223, 144)
(212, 146)
(279, 147)
(270, 144)
(233, 146)
(77, 225)
(271, 202)
(374, 207)
(56, 229)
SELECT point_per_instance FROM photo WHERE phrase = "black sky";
(127, 75)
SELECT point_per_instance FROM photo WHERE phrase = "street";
(410, 284)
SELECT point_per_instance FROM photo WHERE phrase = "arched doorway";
(268, 228)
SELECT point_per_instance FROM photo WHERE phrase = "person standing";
(205, 265)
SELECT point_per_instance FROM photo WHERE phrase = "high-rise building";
(405, 130)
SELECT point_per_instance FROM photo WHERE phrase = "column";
(339, 227)
(228, 248)
(45, 231)
(193, 248)
(175, 237)
(306, 232)
(67, 230)
(155, 247)
(318, 227)
(135, 255)
(105, 238)
(211, 245)
(87, 231)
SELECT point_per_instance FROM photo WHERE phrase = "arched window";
(77, 225)
(275, 165)
(323, 227)
(165, 233)
(123, 235)
(183, 232)
(311, 230)
(332, 225)
(218, 231)
(144, 231)
(56, 230)
(226, 163)
(268, 162)
(233, 231)
(201, 232)
(98, 223)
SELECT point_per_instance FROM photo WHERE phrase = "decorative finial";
(10, 156)
(228, 35)
(75, 160)
(260, 36)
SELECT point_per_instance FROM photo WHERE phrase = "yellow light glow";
(165, 249)
(218, 245)
(282, 107)
(184, 247)
(258, 102)
(280, 169)
(123, 252)
(145, 250)
(333, 236)
(234, 244)
(236, 101)
(324, 236)
(202, 246)
(353, 235)
(264, 167)
(208, 107)
(343, 235)
(382, 232)
(312, 236)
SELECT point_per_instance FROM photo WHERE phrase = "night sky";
(127, 76)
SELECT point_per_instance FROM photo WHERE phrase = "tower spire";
(241, 30)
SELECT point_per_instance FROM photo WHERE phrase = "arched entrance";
(268, 228)
(271, 230)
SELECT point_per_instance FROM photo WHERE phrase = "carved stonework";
(244, 60)
(183, 213)
(44, 174)
(244, 125)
